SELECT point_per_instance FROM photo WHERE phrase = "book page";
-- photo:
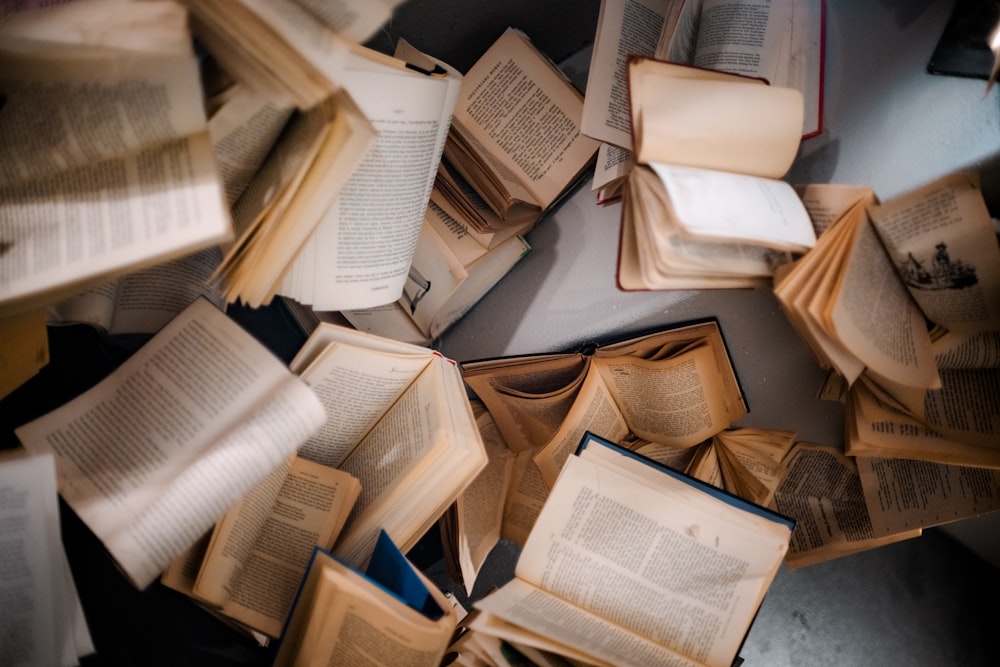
(690, 405)
(160, 204)
(529, 398)
(355, 19)
(410, 438)
(740, 124)
(956, 350)
(821, 490)
(526, 495)
(872, 313)
(606, 541)
(941, 240)
(595, 410)
(906, 495)
(310, 510)
(539, 103)
(755, 211)
(234, 536)
(153, 455)
(480, 508)
(130, 63)
(344, 617)
(745, 37)
(40, 618)
(880, 425)
(360, 254)
(520, 612)
(624, 28)
(368, 382)
(243, 130)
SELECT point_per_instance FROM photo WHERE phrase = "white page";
(737, 207)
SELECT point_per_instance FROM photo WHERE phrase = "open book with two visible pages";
(145, 147)
(780, 42)
(632, 563)
(698, 134)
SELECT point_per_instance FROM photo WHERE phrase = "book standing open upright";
(399, 421)
(631, 563)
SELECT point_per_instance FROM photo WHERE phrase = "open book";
(545, 403)
(389, 614)
(632, 563)
(293, 51)
(251, 565)
(360, 253)
(781, 42)
(155, 453)
(123, 175)
(451, 271)
(399, 421)
(515, 137)
(698, 133)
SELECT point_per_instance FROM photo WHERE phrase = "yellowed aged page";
(742, 125)
(594, 410)
(480, 508)
(690, 405)
(369, 381)
(234, 537)
(624, 27)
(755, 457)
(875, 317)
(543, 104)
(910, 495)
(529, 398)
(153, 455)
(941, 240)
(745, 37)
(525, 497)
(821, 490)
(131, 59)
(344, 618)
(310, 510)
(591, 524)
(956, 350)
(878, 425)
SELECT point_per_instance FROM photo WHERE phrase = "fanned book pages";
(520, 156)
(131, 182)
(698, 133)
(631, 563)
